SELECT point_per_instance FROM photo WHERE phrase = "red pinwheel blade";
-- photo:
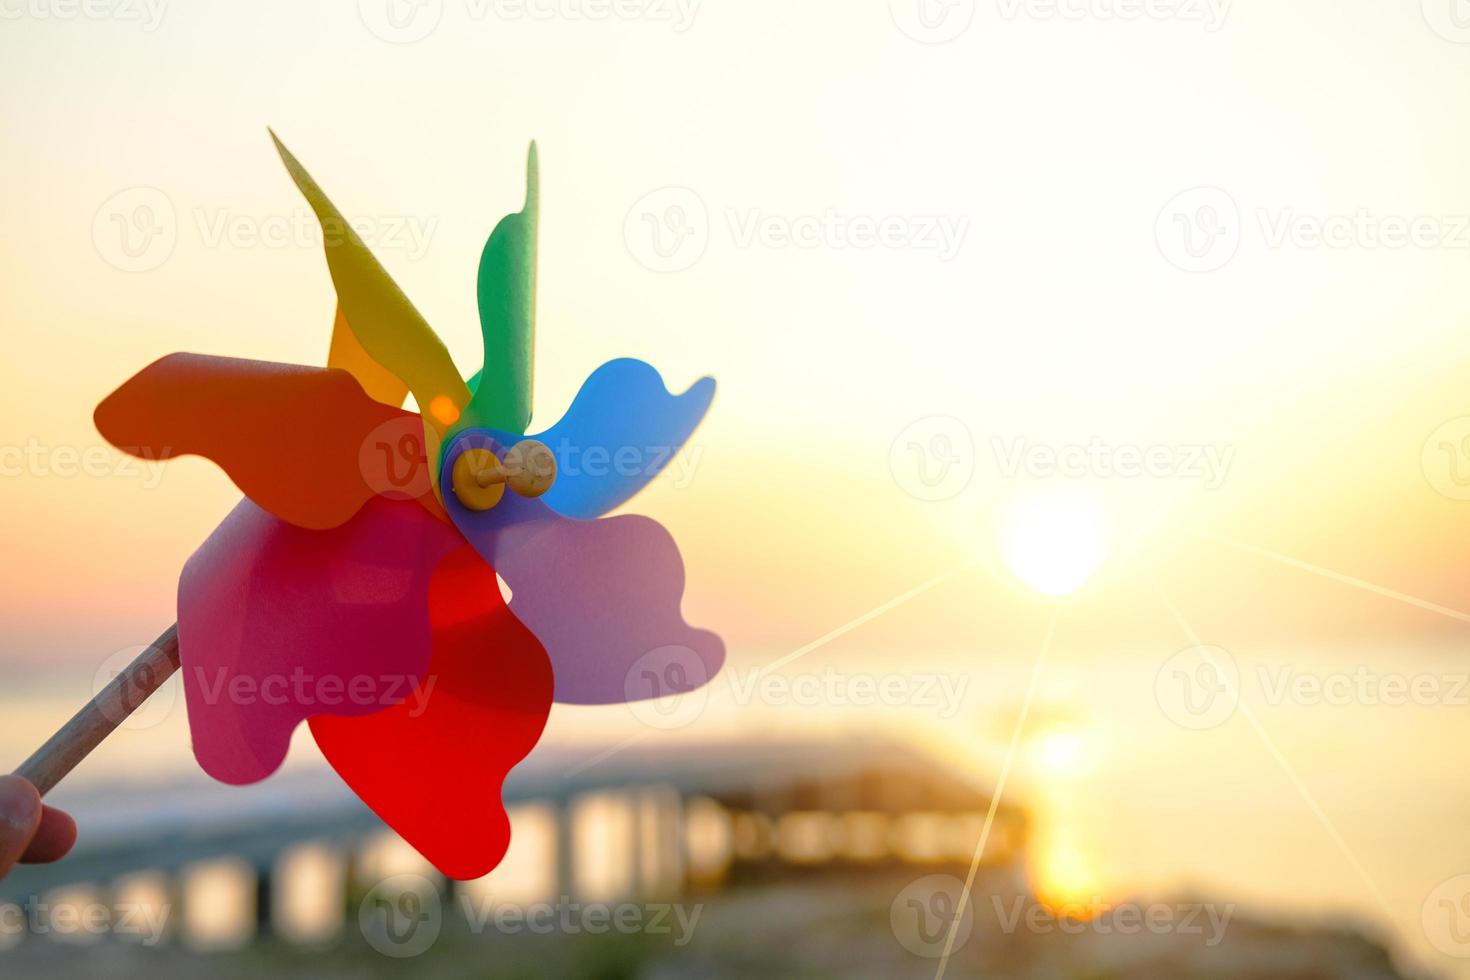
(433, 767)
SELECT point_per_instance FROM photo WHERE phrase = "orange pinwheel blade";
(306, 444)
(347, 353)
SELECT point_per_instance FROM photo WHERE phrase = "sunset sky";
(1030, 171)
(1058, 320)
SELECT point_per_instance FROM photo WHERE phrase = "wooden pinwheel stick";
(101, 716)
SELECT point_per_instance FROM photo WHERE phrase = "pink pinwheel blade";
(278, 623)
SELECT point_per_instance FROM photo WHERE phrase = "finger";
(20, 814)
(54, 838)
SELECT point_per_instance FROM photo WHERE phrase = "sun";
(1055, 541)
(1062, 753)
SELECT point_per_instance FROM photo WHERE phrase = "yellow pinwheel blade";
(389, 329)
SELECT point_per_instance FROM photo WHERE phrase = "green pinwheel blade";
(507, 295)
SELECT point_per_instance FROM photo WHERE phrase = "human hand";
(30, 832)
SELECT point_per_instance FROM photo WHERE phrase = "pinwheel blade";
(347, 353)
(432, 768)
(390, 329)
(305, 443)
(621, 431)
(278, 624)
(603, 596)
(507, 300)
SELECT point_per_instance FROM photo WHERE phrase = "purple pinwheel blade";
(603, 596)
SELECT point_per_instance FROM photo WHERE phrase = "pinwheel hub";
(479, 477)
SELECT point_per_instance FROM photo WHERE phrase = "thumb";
(20, 815)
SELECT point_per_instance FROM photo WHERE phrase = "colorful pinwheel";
(355, 587)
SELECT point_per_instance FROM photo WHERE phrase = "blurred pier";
(217, 867)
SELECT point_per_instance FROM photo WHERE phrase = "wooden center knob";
(479, 479)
